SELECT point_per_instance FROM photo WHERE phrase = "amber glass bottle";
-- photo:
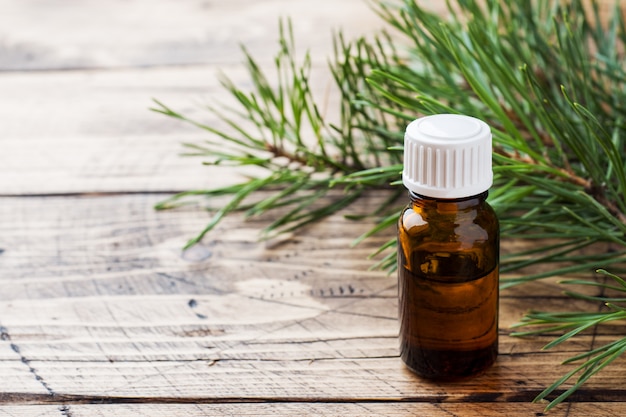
(448, 246)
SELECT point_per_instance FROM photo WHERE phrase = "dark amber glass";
(448, 286)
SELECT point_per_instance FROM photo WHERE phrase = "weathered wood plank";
(99, 303)
(314, 410)
(90, 34)
(338, 410)
(92, 132)
(101, 313)
(73, 132)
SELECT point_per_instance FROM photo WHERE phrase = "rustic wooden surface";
(102, 314)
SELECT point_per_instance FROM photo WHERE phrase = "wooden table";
(100, 311)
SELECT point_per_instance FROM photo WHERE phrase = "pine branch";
(304, 156)
(562, 151)
(547, 75)
(593, 361)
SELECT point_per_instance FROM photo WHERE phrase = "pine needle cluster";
(549, 77)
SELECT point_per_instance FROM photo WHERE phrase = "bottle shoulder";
(447, 244)
(430, 218)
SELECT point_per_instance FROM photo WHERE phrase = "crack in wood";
(309, 360)
(325, 340)
(70, 399)
(4, 335)
(65, 401)
(567, 410)
(447, 412)
(65, 410)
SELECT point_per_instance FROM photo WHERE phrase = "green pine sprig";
(554, 101)
(279, 128)
(591, 362)
(559, 157)
(549, 76)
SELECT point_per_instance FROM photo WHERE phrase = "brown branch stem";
(587, 185)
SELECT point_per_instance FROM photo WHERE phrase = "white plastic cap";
(447, 156)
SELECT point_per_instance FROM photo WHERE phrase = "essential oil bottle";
(448, 249)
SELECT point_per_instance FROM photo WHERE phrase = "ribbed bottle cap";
(447, 156)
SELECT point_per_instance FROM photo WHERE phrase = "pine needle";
(594, 360)
(549, 76)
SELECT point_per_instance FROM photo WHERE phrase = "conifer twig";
(549, 76)
(593, 361)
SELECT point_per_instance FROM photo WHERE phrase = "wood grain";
(100, 305)
(79, 80)
(81, 131)
(90, 34)
(101, 313)
(326, 410)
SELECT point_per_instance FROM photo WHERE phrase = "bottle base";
(449, 365)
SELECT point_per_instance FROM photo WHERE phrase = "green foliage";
(590, 362)
(547, 75)
(550, 83)
(279, 128)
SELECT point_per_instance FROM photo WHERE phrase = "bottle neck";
(452, 203)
